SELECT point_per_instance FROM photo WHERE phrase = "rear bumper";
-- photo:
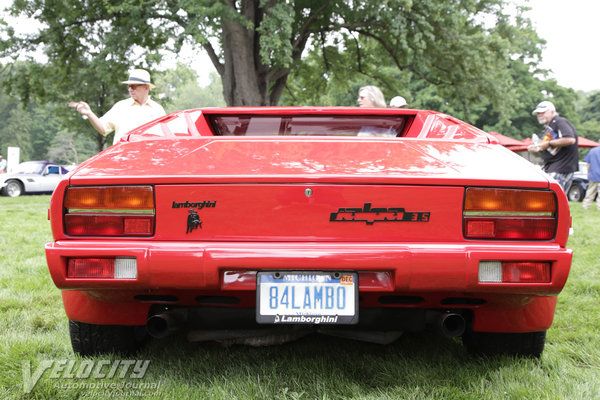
(415, 276)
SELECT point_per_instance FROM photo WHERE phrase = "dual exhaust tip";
(168, 322)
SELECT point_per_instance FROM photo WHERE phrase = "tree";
(590, 116)
(39, 134)
(591, 108)
(498, 98)
(256, 44)
(85, 57)
(181, 91)
(30, 128)
(69, 148)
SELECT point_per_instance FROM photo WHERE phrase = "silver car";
(32, 177)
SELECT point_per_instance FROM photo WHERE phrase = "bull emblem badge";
(193, 221)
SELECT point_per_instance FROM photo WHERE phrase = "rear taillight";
(109, 211)
(514, 272)
(511, 214)
(102, 268)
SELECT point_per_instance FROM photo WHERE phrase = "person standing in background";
(593, 160)
(558, 146)
(370, 96)
(126, 114)
(398, 102)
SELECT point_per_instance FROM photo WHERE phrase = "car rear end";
(236, 238)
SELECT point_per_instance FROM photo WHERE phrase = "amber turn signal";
(113, 197)
(509, 200)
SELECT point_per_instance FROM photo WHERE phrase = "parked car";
(258, 225)
(578, 187)
(32, 177)
(579, 184)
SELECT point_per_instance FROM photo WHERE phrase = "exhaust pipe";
(452, 324)
(163, 324)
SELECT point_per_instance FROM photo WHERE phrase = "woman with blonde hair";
(370, 96)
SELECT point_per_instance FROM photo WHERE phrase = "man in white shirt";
(126, 114)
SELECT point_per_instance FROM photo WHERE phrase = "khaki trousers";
(589, 195)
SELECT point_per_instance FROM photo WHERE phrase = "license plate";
(306, 297)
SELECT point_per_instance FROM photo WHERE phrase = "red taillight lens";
(109, 211)
(525, 272)
(91, 268)
(109, 225)
(509, 214)
(517, 227)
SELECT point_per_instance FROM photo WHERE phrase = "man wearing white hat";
(126, 114)
(558, 146)
(398, 102)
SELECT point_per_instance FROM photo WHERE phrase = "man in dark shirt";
(558, 146)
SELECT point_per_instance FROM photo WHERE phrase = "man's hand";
(82, 107)
(537, 147)
(554, 143)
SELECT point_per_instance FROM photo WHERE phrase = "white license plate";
(306, 297)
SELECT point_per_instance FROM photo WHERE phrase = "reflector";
(479, 229)
(125, 268)
(490, 271)
(137, 226)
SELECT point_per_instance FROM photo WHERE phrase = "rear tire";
(91, 339)
(529, 344)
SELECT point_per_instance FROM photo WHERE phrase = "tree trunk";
(243, 84)
(245, 78)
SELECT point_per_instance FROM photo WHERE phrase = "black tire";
(90, 339)
(576, 193)
(13, 188)
(529, 344)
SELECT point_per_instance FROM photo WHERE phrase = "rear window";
(310, 125)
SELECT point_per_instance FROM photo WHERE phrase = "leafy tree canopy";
(475, 59)
(590, 116)
(460, 46)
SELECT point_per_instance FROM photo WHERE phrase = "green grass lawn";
(33, 328)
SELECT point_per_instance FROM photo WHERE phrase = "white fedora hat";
(139, 77)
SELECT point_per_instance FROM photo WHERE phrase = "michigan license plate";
(307, 297)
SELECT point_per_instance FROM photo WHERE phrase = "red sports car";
(258, 225)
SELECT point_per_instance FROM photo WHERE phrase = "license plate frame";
(309, 301)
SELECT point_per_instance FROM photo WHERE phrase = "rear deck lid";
(289, 159)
